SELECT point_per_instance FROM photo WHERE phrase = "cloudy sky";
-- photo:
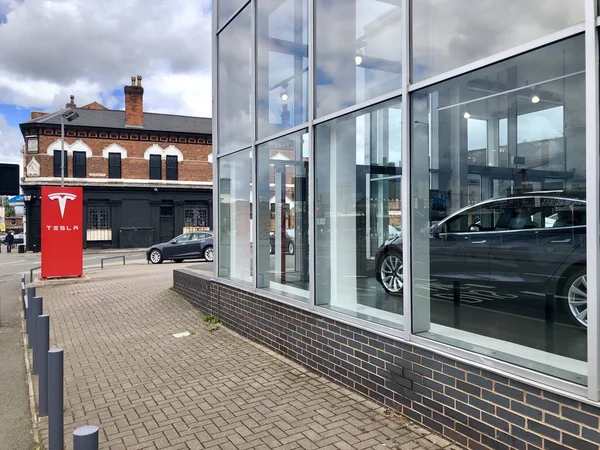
(50, 49)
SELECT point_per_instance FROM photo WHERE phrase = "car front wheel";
(391, 273)
(208, 254)
(291, 248)
(575, 293)
(156, 256)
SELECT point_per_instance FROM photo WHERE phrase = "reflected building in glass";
(408, 202)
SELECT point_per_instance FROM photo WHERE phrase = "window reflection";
(450, 33)
(226, 8)
(235, 84)
(358, 202)
(499, 211)
(283, 251)
(358, 52)
(235, 216)
(282, 63)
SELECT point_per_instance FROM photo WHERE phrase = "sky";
(51, 49)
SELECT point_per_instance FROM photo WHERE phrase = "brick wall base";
(475, 408)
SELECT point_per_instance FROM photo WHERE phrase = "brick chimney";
(71, 104)
(134, 103)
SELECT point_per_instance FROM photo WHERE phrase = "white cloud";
(11, 143)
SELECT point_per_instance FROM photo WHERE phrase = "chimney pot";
(133, 81)
(139, 80)
(134, 103)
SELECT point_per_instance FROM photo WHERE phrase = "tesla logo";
(62, 200)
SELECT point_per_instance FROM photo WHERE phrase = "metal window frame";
(591, 393)
(229, 20)
(94, 210)
(592, 195)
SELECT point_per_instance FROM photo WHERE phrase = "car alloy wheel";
(208, 254)
(391, 273)
(577, 299)
(291, 248)
(155, 257)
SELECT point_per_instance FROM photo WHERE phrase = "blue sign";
(16, 200)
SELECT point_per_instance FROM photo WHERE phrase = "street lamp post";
(70, 116)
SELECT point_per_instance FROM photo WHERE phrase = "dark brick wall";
(475, 408)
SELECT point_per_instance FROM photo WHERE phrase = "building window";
(499, 211)
(79, 166)
(58, 162)
(358, 171)
(358, 52)
(447, 34)
(171, 167)
(195, 218)
(114, 165)
(282, 196)
(99, 224)
(235, 218)
(235, 83)
(282, 70)
(155, 167)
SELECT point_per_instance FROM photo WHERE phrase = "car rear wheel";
(156, 256)
(575, 294)
(208, 254)
(391, 273)
(291, 248)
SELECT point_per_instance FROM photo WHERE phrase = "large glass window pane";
(235, 84)
(358, 52)
(226, 8)
(235, 216)
(282, 62)
(358, 169)
(282, 190)
(499, 211)
(447, 34)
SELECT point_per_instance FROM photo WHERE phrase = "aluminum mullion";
(592, 195)
(359, 106)
(405, 181)
(215, 139)
(254, 166)
(281, 134)
(506, 54)
(228, 21)
(312, 240)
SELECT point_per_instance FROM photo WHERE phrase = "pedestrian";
(9, 241)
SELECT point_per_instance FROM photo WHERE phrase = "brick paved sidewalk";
(126, 373)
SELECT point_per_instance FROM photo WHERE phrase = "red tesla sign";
(62, 232)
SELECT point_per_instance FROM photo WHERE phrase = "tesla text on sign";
(62, 232)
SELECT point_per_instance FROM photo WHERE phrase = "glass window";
(155, 167)
(235, 84)
(171, 166)
(447, 34)
(282, 62)
(114, 165)
(226, 8)
(235, 216)
(98, 227)
(79, 166)
(58, 163)
(498, 201)
(358, 52)
(283, 252)
(358, 170)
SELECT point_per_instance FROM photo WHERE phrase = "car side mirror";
(173, 241)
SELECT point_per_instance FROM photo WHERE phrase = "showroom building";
(434, 164)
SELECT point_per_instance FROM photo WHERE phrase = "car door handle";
(562, 241)
(479, 242)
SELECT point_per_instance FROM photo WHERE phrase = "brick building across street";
(146, 177)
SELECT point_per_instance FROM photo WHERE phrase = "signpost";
(62, 232)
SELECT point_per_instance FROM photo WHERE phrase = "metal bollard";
(30, 295)
(23, 296)
(43, 347)
(38, 306)
(56, 438)
(85, 438)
